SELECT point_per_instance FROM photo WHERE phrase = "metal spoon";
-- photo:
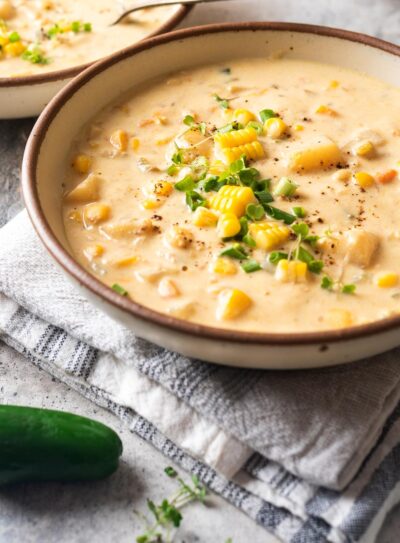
(136, 5)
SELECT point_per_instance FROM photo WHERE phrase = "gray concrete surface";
(102, 512)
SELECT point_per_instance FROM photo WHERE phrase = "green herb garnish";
(186, 184)
(222, 102)
(14, 37)
(34, 55)
(301, 230)
(195, 200)
(236, 251)
(258, 127)
(349, 289)
(327, 283)
(299, 211)
(285, 188)
(255, 212)
(250, 266)
(276, 256)
(279, 215)
(119, 290)
(230, 127)
(266, 114)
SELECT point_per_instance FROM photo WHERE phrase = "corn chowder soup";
(38, 36)
(262, 195)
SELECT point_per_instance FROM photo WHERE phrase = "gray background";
(103, 511)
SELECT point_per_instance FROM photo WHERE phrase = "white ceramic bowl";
(62, 120)
(27, 96)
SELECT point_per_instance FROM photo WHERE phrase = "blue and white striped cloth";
(311, 456)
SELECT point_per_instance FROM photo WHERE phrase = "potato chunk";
(129, 229)
(361, 247)
(87, 191)
(324, 153)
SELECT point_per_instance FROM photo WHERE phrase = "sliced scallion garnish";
(236, 251)
(250, 266)
(285, 187)
(119, 290)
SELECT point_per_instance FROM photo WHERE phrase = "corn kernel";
(298, 127)
(82, 163)
(365, 180)
(228, 225)
(275, 127)
(252, 151)
(204, 218)
(75, 216)
(244, 116)
(325, 110)
(3, 41)
(96, 213)
(93, 251)
(386, 177)
(163, 188)
(269, 235)
(232, 199)
(342, 175)
(14, 49)
(135, 143)
(217, 167)
(339, 318)
(126, 262)
(334, 84)
(235, 138)
(386, 279)
(152, 203)
(364, 149)
(293, 271)
(223, 266)
(119, 140)
(164, 141)
(232, 303)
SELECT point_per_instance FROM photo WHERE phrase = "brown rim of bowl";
(83, 277)
(69, 73)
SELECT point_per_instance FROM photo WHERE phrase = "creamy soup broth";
(245, 142)
(39, 36)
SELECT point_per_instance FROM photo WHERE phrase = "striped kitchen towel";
(312, 456)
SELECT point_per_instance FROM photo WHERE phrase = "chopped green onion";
(195, 200)
(76, 26)
(14, 37)
(255, 212)
(172, 170)
(327, 283)
(34, 55)
(211, 183)
(316, 266)
(244, 227)
(312, 240)
(249, 176)
(264, 197)
(177, 157)
(200, 167)
(222, 102)
(230, 127)
(279, 215)
(236, 251)
(258, 127)
(250, 266)
(238, 165)
(248, 240)
(285, 187)
(119, 290)
(189, 120)
(349, 289)
(276, 256)
(87, 27)
(266, 114)
(299, 211)
(301, 230)
(187, 184)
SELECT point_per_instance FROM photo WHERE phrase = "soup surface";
(260, 195)
(39, 36)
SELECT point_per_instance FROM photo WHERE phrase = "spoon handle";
(136, 5)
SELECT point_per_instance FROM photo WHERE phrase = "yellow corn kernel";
(298, 127)
(96, 213)
(269, 235)
(325, 110)
(324, 153)
(252, 151)
(334, 84)
(223, 266)
(293, 271)
(119, 140)
(164, 141)
(342, 175)
(160, 119)
(152, 203)
(82, 163)
(244, 116)
(94, 251)
(135, 143)
(339, 318)
(365, 180)
(87, 190)
(275, 127)
(235, 138)
(75, 216)
(3, 41)
(364, 149)
(6, 9)
(217, 167)
(125, 262)
(14, 49)
(232, 199)
(232, 303)
(204, 217)
(228, 225)
(386, 279)
(163, 188)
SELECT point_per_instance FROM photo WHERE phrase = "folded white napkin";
(272, 443)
